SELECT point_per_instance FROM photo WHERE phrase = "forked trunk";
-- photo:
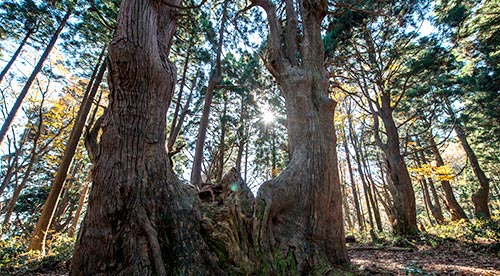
(140, 220)
(299, 223)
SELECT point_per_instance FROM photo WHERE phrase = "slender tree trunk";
(357, 151)
(387, 203)
(19, 188)
(141, 220)
(40, 233)
(242, 136)
(222, 149)
(434, 207)
(13, 166)
(16, 54)
(180, 114)
(34, 73)
(178, 103)
(426, 201)
(78, 212)
(34, 154)
(347, 212)
(215, 79)
(299, 212)
(438, 212)
(370, 183)
(359, 217)
(456, 211)
(480, 197)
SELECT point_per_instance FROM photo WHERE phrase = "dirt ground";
(446, 259)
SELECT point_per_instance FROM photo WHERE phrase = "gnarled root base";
(293, 228)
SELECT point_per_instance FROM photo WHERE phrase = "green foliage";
(455, 16)
(474, 230)
(14, 260)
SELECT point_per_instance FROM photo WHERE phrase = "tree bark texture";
(404, 201)
(140, 220)
(299, 225)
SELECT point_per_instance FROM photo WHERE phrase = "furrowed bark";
(140, 220)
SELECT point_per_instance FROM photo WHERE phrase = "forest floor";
(449, 258)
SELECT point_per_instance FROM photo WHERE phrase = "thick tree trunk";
(404, 207)
(34, 73)
(299, 224)
(299, 211)
(456, 211)
(40, 233)
(140, 219)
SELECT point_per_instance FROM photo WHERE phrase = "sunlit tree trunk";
(359, 217)
(79, 208)
(299, 212)
(140, 220)
(215, 80)
(370, 185)
(43, 224)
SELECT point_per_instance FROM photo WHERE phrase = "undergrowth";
(15, 260)
(474, 231)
